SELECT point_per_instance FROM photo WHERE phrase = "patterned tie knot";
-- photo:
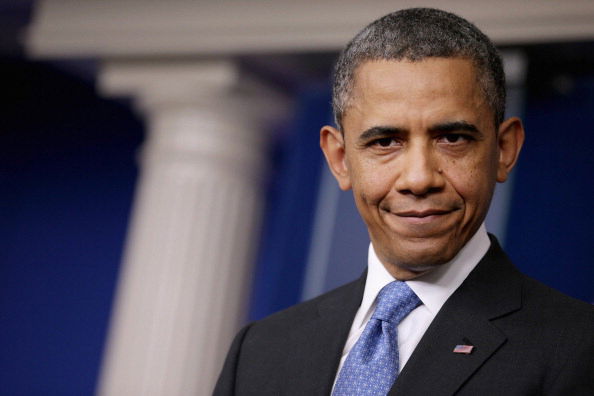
(394, 302)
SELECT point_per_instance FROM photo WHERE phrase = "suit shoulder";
(558, 307)
(270, 353)
(307, 310)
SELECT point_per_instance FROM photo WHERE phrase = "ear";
(332, 144)
(510, 139)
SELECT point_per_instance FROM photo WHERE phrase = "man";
(421, 140)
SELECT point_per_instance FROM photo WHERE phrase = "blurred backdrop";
(161, 182)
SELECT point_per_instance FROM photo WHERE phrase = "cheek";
(474, 181)
(371, 183)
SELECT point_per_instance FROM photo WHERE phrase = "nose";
(420, 173)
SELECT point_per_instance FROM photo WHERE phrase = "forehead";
(452, 71)
(430, 87)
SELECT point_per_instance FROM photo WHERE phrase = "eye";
(384, 142)
(455, 138)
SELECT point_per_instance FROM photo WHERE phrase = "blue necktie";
(372, 365)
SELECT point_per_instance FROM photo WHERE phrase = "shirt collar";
(434, 288)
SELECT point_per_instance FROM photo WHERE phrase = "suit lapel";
(493, 289)
(320, 341)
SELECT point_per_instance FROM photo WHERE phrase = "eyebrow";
(379, 132)
(455, 126)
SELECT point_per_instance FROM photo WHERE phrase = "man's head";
(417, 142)
(416, 34)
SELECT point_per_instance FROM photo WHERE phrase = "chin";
(422, 264)
(421, 259)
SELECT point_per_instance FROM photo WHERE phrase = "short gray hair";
(415, 34)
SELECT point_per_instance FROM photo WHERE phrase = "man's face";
(422, 155)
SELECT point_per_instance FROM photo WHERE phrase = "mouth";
(423, 214)
(425, 220)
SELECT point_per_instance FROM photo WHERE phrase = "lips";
(420, 223)
(423, 213)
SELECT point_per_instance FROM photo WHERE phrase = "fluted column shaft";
(188, 259)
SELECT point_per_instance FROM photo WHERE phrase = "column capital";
(204, 111)
(206, 83)
(125, 77)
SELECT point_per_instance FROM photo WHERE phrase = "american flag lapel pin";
(464, 349)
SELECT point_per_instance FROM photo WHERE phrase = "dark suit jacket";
(528, 340)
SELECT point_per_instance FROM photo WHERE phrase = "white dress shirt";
(433, 289)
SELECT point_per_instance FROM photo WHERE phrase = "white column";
(183, 286)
